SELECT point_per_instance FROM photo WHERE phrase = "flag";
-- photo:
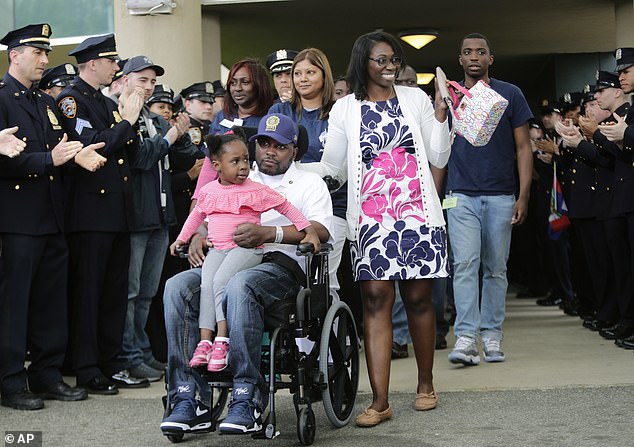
(558, 219)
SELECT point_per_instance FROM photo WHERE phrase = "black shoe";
(124, 379)
(570, 308)
(441, 342)
(550, 300)
(617, 331)
(399, 351)
(61, 391)
(100, 385)
(23, 400)
(625, 343)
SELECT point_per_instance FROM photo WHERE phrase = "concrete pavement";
(561, 385)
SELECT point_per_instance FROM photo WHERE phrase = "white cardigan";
(343, 149)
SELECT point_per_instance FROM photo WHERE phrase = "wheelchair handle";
(306, 248)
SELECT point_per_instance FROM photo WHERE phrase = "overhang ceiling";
(524, 35)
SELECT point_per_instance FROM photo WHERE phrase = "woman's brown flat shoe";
(426, 401)
(371, 417)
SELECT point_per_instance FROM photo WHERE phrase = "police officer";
(197, 100)
(57, 78)
(620, 136)
(98, 218)
(161, 101)
(279, 64)
(33, 251)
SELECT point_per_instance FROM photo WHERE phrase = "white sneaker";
(465, 351)
(492, 348)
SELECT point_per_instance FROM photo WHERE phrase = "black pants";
(98, 298)
(33, 275)
(620, 237)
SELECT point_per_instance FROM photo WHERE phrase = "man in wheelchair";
(248, 294)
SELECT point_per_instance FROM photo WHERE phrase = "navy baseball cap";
(31, 35)
(278, 127)
(140, 63)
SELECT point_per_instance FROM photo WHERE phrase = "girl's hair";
(261, 88)
(317, 58)
(357, 74)
(216, 144)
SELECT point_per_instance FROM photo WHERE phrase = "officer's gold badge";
(196, 135)
(53, 119)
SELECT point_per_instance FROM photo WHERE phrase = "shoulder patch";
(68, 107)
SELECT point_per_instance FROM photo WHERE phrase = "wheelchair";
(328, 372)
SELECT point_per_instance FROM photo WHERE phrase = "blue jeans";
(147, 253)
(480, 233)
(248, 294)
(181, 304)
(400, 328)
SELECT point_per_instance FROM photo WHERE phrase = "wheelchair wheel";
(306, 426)
(339, 363)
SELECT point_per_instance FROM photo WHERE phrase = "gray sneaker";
(465, 351)
(493, 350)
(155, 364)
(143, 370)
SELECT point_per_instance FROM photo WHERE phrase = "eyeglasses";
(383, 61)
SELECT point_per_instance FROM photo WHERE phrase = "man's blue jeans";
(181, 304)
(480, 233)
(247, 297)
(147, 253)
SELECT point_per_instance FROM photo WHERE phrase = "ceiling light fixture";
(424, 78)
(418, 38)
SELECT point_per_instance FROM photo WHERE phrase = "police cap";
(31, 35)
(96, 48)
(162, 93)
(219, 90)
(280, 60)
(202, 91)
(606, 79)
(60, 76)
(624, 58)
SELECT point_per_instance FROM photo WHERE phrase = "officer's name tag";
(449, 202)
(229, 124)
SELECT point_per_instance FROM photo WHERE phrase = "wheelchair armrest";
(305, 249)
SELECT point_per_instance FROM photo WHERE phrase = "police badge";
(53, 119)
(196, 135)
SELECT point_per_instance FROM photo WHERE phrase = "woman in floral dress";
(394, 216)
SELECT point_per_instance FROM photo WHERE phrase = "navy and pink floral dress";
(394, 242)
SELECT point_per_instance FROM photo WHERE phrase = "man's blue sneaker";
(244, 416)
(465, 351)
(188, 414)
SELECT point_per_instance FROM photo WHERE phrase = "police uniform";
(33, 251)
(280, 61)
(202, 91)
(619, 227)
(98, 224)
